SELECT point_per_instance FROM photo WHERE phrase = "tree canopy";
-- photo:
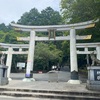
(80, 10)
(45, 17)
(46, 56)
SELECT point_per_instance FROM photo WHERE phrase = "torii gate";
(86, 46)
(86, 50)
(73, 55)
(10, 52)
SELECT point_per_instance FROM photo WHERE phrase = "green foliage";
(50, 17)
(66, 52)
(5, 28)
(46, 17)
(10, 37)
(46, 56)
(80, 10)
(30, 18)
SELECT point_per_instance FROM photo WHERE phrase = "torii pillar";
(98, 52)
(73, 58)
(30, 59)
(9, 62)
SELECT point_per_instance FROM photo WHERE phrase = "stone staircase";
(47, 94)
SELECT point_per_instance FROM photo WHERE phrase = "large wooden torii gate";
(73, 55)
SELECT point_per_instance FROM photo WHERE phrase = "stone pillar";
(73, 58)
(98, 52)
(9, 62)
(87, 57)
(30, 60)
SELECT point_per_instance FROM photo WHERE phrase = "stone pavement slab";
(42, 83)
(45, 85)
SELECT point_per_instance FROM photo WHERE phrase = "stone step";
(23, 98)
(88, 93)
(48, 95)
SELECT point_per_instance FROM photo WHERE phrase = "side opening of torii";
(86, 46)
(10, 51)
(73, 54)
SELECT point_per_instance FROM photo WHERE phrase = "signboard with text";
(21, 64)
